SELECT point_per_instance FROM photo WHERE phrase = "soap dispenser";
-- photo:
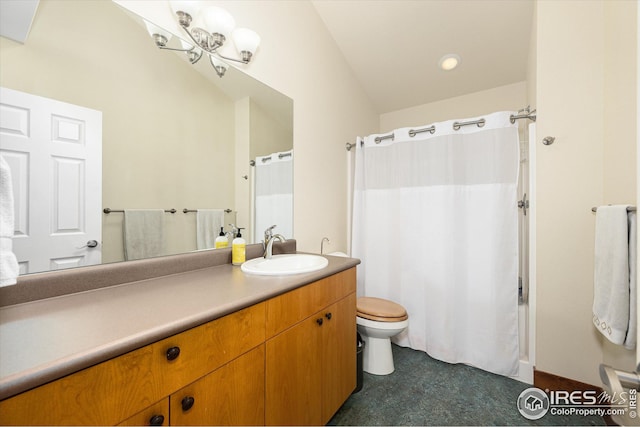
(238, 249)
(222, 241)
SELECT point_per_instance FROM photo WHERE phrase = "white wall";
(298, 57)
(504, 98)
(576, 96)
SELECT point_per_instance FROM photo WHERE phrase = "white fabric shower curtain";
(435, 224)
(274, 194)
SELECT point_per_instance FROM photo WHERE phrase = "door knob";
(90, 244)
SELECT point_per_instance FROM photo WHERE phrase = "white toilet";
(378, 320)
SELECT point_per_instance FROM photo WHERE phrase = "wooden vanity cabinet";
(311, 351)
(231, 395)
(154, 415)
(113, 391)
(288, 360)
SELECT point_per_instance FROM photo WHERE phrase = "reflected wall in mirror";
(169, 134)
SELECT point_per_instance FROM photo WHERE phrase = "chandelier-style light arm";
(219, 25)
(246, 57)
(203, 39)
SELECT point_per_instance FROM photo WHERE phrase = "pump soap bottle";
(222, 241)
(238, 249)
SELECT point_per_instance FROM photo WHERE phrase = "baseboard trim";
(547, 382)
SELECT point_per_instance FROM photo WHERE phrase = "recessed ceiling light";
(449, 61)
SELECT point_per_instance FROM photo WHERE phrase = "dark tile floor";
(423, 391)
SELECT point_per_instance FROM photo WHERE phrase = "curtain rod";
(266, 159)
(456, 126)
(629, 209)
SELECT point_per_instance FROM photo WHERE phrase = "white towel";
(630, 340)
(611, 301)
(9, 269)
(208, 223)
(143, 233)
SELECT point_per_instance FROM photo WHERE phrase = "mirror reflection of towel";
(208, 223)
(143, 233)
(8, 264)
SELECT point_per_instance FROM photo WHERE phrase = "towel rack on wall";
(629, 209)
(108, 210)
(185, 210)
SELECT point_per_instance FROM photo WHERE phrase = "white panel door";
(54, 150)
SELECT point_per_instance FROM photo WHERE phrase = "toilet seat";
(380, 310)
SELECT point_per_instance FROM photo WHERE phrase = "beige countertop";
(46, 339)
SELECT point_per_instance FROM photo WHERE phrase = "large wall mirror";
(171, 132)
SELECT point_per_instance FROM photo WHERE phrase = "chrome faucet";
(269, 238)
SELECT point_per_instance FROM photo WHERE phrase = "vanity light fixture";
(449, 61)
(219, 26)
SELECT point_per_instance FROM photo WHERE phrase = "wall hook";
(548, 140)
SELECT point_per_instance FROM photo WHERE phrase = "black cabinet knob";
(328, 316)
(156, 420)
(187, 403)
(319, 321)
(173, 353)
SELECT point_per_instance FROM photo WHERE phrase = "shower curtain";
(274, 194)
(435, 224)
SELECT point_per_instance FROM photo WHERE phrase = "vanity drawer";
(287, 309)
(209, 346)
(154, 415)
(114, 390)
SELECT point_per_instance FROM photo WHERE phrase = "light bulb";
(218, 21)
(220, 66)
(246, 40)
(449, 61)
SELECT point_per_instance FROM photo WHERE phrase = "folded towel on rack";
(143, 231)
(9, 269)
(612, 286)
(630, 340)
(208, 223)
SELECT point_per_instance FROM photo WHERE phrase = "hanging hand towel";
(611, 275)
(8, 264)
(208, 223)
(630, 340)
(143, 233)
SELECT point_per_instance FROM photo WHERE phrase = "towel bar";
(108, 210)
(185, 210)
(629, 209)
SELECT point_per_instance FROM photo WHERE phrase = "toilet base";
(382, 363)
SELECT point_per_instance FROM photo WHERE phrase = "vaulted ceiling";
(394, 46)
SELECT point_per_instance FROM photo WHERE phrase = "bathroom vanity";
(211, 346)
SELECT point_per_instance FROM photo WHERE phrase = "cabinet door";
(338, 355)
(231, 395)
(294, 375)
(155, 415)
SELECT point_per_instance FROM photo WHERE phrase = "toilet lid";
(381, 310)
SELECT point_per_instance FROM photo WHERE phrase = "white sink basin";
(283, 265)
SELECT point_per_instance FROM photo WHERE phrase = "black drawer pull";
(156, 420)
(319, 321)
(173, 353)
(328, 316)
(187, 403)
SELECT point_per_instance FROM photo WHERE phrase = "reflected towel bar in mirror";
(185, 210)
(108, 210)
